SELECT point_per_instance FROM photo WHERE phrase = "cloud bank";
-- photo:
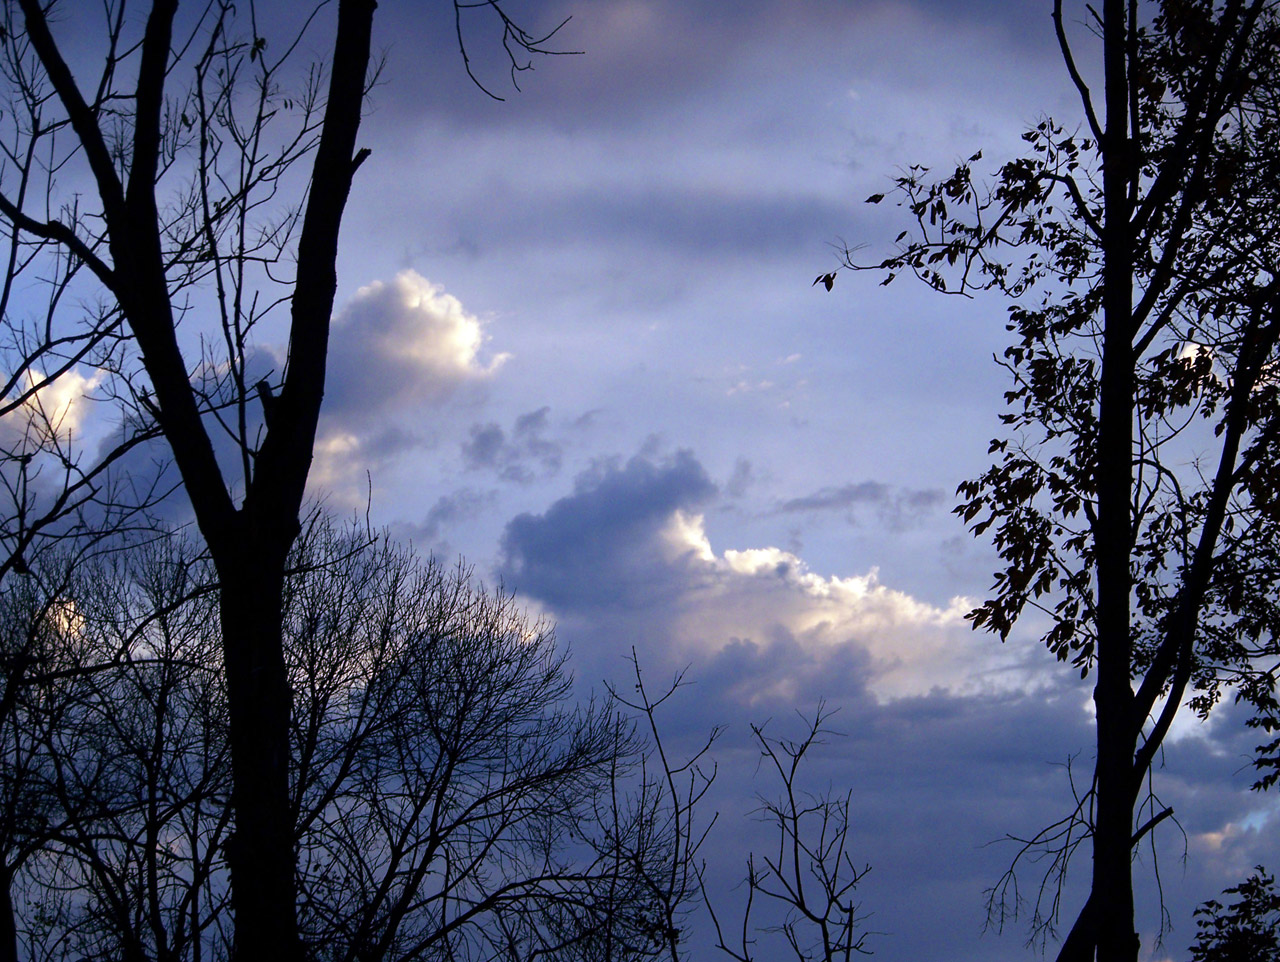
(948, 739)
(629, 549)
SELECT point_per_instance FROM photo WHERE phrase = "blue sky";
(653, 428)
(578, 344)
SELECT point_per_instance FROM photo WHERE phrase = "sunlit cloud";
(56, 410)
(754, 595)
(398, 346)
(403, 341)
(631, 538)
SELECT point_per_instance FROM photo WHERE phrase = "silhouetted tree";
(1247, 930)
(451, 801)
(811, 879)
(1134, 501)
(807, 888)
(447, 799)
(189, 133)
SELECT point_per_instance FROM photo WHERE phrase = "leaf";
(827, 280)
(874, 199)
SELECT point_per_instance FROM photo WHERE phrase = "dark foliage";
(1246, 930)
(1133, 497)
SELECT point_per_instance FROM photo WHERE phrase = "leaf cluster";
(1205, 246)
(1245, 930)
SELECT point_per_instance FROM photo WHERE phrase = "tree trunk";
(261, 851)
(8, 928)
(1112, 892)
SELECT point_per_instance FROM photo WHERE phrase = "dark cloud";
(644, 57)
(682, 221)
(514, 457)
(598, 546)
(937, 772)
(623, 46)
(845, 496)
(481, 450)
(450, 509)
(587, 419)
(698, 220)
(533, 423)
(940, 785)
(626, 557)
(896, 509)
(742, 478)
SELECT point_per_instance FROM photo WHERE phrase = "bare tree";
(115, 746)
(448, 798)
(451, 801)
(807, 887)
(58, 343)
(155, 190)
(812, 877)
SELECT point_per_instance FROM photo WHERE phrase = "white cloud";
(336, 459)
(401, 342)
(398, 346)
(913, 647)
(626, 559)
(57, 409)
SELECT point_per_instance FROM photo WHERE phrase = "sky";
(578, 344)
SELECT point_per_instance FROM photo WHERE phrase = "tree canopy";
(1132, 500)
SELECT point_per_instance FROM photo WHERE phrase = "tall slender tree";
(1134, 502)
(181, 141)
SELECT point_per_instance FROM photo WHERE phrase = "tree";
(182, 137)
(812, 878)
(451, 801)
(448, 800)
(114, 771)
(1247, 930)
(1134, 501)
(807, 887)
(54, 345)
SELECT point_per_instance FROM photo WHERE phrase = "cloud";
(448, 510)
(396, 347)
(488, 446)
(761, 598)
(627, 557)
(484, 447)
(56, 410)
(596, 547)
(400, 342)
(897, 510)
(949, 740)
(741, 480)
(842, 497)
